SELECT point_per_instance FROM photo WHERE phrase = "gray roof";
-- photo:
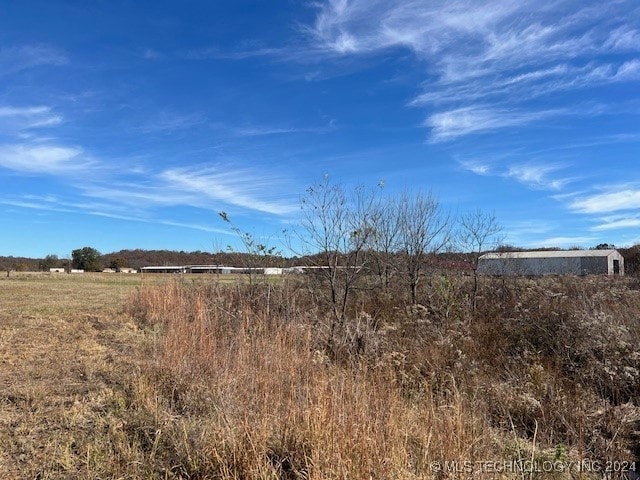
(551, 254)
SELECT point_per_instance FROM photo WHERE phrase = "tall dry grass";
(242, 380)
(247, 395)
(246, 383)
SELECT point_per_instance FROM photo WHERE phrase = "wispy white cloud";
(22, 111)
(47, 159)
(479, 168)
(158, 221)
(261, 131)
(193, 226)
(616, 222)
(536, 233)
(498, 52)
(565, 242)
(628, 70)
(264, 130)
(15, 119)
(623, 38)
(33, 205)
(534, 174)
(243, 53)
(483, 60)
(463, 121)
(487, 35)
(362, 26)
(531, 84)
(151, 54)
(205, 188)
(148, 193)
(537, 176)
(17, 58)
(53, 204)
(245, 188)
(624, 198)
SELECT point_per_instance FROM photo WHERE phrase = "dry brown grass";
(257, 398)
(185, 377)
(65, 353)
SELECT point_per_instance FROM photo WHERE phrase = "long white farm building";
(556, 262)
(217, 269)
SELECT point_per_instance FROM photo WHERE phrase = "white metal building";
(556, 262)
(221, 269)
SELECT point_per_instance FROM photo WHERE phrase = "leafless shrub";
(541, 366)
(248, 396)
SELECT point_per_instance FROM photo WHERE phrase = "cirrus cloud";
(503, 53)
(623, 199)
(15, 59)
(39, 159)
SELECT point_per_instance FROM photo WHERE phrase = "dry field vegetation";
(104, 377)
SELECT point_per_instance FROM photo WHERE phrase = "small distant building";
(272, 271)
(210, 269)
(76, 270)
(165, 269)
(555, 262)
(56, 270)
(297, 270)
(120, 270)
(215, 269)
(225, 270)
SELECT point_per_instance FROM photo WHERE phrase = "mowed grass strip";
(72, 374)
(65, 350)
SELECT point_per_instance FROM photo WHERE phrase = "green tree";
(21, 267)
(87, 259)
(117, 263)
(50, 261)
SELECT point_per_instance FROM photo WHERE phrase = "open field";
(120, 376)
(66, 351)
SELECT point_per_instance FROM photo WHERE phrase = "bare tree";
(337, 227)
(477, 232)
(385, 241)
(424, 229)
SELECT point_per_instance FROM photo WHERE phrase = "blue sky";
(130, 124)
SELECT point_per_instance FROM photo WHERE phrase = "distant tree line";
(137, 258)
(348, 232)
